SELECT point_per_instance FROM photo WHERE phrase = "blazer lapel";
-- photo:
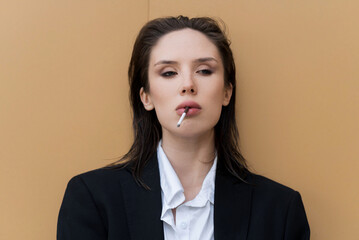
(143, 207)
(232, 206)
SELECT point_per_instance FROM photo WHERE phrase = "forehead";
(182, 45)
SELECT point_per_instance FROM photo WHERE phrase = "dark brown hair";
(146, 127)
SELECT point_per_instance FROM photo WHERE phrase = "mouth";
(193, 108)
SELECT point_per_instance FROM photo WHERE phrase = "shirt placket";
(183, 222)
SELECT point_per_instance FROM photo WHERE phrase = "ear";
(227, 94)
(146, 100)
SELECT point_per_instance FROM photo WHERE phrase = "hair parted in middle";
(146, 127)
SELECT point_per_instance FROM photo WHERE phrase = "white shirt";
(194, 219)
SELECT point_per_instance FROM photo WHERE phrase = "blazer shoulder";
(101, 178)
(280, 206)
(90, 202)
(104, 172)
(265, 183)
(272, 191)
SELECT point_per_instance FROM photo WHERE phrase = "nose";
(188, 86)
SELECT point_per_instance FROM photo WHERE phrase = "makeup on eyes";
(171, 73)
(182, 117)
(204, 66)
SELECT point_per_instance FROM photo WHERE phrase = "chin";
(189, 131)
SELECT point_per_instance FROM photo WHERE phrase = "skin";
(185, 65)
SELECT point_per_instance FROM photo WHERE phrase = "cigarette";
(182, 117)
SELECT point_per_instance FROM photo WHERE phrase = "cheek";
(160, 91)
(160, 97)
(217, 94)
(214, 105)
(161, 101)
(216, 102)
(216, 112)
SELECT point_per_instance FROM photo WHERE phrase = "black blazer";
(109, 204)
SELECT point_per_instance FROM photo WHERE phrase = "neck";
(191, 158)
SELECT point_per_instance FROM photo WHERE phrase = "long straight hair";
(146, 127)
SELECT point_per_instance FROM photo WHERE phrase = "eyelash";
(205, 71)
(169, 74)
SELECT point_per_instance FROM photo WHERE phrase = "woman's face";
(186, 70)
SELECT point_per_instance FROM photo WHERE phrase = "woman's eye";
(205, 72)
(168, 74)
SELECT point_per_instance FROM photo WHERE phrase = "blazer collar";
(232, 204)
(143, 207)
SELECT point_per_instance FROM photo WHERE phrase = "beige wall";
(64, 107)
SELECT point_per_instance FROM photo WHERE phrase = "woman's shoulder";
(101, 177)
(104, 172)
(278, 203)
(265, 183)
(271, 190)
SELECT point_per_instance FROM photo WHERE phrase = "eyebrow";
(199, 60)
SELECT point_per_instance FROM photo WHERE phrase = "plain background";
(64, 99)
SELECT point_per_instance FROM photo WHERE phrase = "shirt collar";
(172, 190)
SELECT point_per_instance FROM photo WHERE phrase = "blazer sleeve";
(297, 227)
(79, 217)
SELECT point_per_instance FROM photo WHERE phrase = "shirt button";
(183, 225)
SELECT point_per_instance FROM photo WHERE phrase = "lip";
(194, 108)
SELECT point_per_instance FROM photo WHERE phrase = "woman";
(184, 177)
